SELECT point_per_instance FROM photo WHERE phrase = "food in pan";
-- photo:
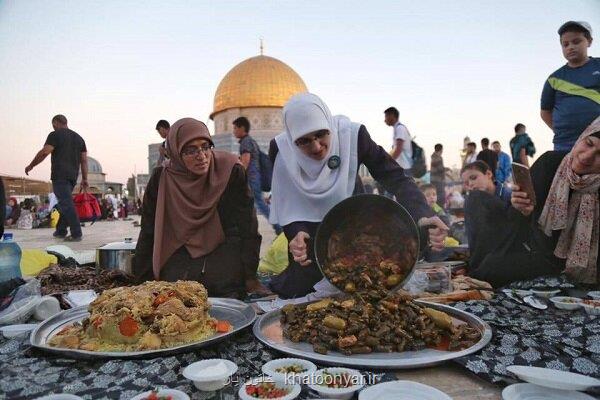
(374, 321)
(363, 254)
(154, 315)
(57, 279)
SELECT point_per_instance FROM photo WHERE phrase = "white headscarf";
(305, 189)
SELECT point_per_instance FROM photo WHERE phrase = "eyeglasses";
(307, 141)
(192, 152)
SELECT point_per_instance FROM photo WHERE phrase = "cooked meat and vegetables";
(374, 322)
(363, 254)
(150, 316)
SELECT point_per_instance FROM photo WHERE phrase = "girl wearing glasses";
(315, 166)
(198, 219)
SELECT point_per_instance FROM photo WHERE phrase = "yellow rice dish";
(154, 315)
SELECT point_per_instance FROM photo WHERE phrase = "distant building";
(256, 88)
(97, 180)
(136, 186)
(153, 156)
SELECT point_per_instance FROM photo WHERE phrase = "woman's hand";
(299, 249)
(437, 234)
(521, 201)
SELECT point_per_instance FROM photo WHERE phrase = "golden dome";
(259, 81)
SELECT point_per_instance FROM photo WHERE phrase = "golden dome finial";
(262, 48)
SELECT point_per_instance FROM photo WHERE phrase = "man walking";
(487, 155)
(438, 174)
(249, 157)
(504, 169)
(69, 153)
(402, 147)
(162, 127)
(571, 95)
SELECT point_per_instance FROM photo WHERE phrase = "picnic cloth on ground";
(28, 373)
(522, 335)
(552, 338)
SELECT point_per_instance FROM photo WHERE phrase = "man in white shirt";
(471, 154)
(402, 147)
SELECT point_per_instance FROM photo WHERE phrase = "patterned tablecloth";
(552, 338)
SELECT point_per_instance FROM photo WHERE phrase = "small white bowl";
(175, 394)
(46, 308)
(594, 295)
(211, 383)
(563, 303)
(592, 309)
(271, 367)
(293, 390)
(545, 293)
(337, 393)
(60, 396)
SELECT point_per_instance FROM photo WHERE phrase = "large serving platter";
(268, 330)
(238, 313)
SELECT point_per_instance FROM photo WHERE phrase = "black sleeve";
(52, 139)
(142, 262)
(542, 175)
(242, 206)
(2, 207)
(387, 172)
(273, 150)
(83, 146)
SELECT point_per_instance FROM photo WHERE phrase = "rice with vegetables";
(150, 316)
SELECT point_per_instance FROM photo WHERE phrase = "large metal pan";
(238, 313)
(268, 329)
(363, 209)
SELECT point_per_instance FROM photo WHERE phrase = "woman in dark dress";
(559, 233)
(315, 166)
(198, 220)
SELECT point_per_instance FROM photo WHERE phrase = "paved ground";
(103, 232)
(449, 378)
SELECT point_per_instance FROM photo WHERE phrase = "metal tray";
(268, 330)
(238, 313)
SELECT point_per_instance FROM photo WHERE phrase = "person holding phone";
(560, 233)
(486, 206)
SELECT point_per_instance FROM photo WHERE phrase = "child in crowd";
(571, 95)
(430, 193)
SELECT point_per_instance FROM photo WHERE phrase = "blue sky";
(114, 68)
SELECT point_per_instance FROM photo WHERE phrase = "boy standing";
(402, 144)
(571, 95)
(249, 157)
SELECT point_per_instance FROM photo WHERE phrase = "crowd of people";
(199, 210)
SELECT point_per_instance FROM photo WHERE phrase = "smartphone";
(522, 177)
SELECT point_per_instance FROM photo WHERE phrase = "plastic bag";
(23, 305)
(276, 259)
(54, 218)
(33, 261)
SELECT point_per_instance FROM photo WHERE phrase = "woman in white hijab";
(315, 166)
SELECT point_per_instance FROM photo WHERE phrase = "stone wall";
(265, 124)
